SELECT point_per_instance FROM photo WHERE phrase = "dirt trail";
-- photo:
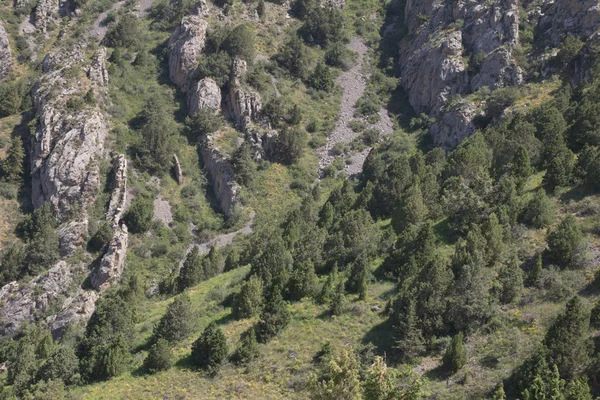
(353, 83)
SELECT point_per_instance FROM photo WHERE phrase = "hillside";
(325, 199)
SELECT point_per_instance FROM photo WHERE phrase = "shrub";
(274, 318)
(210, 349)
(216, 66)
(456, 354)
(295, 57)
(160, 357)
(500, 99)
(339, 56)
(101, 237)
(240, 42)
(367, 106)
(290, 145)
(139, 216)
(323, 26)
(124, 33)
(539, 212)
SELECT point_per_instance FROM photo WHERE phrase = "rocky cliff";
(434, 54)
(65, 153)
(185, 45)
(5, 53)
(204, 95)
(68, 142)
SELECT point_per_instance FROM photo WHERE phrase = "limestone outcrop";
(178, 171)
(221, 175)
(453, 126)
(118, 198)
(433, 57)
(67, 145)
(204, 95)
(244, 103)
(21, 303)
(5, 53)
(111, 266)
(573, 17)
(185, 45)
(76, 309)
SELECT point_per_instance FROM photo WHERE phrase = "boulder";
(118, 198)
(185, 45)
(5, 53)
(454, 126)
(204, 95)
(178, 171)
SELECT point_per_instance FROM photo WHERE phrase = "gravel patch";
(162, 211)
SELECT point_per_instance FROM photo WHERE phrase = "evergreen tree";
(521, 167)
(337, 303)
(499, 393)
(456, 354)
(273, 265)
(158, 130)
(191, 271)
(243, 164)
(139, 216)
(248, 349)
(359, 271)
(408, 337)
(578, 389)
(410, 210)
(539, 212)
(210, 349)
(302, 281)
(363, 287)
(494, 236)
(321, 78)
(12, 166)
(339, 379)
(249, 301)
(329, 285)
(23, 367)
(511, 279)
(160, 357)
(12, 264)
(274, 317)
(260, 8)
(547, 384)
(62, 365)
(177, 322)
(534, 275)
(595, 315)
(567, 340)
(232, 261)
(565, 242)
(116, 360)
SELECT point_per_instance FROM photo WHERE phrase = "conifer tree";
(248, 349)
(243, 164)
(232, 261)
(339, 379)
(521, 167)
(499, 393)
(12, 166)
(338, 301)
(160, 357)
(410, 209)
(567, 340)
(274, 317)
(456, 354)
(408, 337)
(534, 275)
(302, 281)
(177, 322)
(493, 233)
(329, 285)
(191, 270)
(511, 279)
(358, 271)
(539, 212)
(565, 242)
(248, 302)
(210, 349)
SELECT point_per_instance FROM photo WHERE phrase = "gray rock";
(118, 198)
(76, 309)
(221, 176)
(178, 171)
(454, 126)
(46, 12)
(185, 45)
(6, 60)
(573, 17)
(113, 262)
(204, 95)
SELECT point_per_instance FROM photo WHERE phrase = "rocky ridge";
(65, 152)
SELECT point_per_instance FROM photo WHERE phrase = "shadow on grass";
(444, 232)
(381, 336)
(225, 319)
(577, 193)
(437, 374)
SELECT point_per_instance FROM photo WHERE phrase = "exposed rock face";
(454, 126)
(5, 54)
(45, 13)
(178, 171)
(244, 104)
(76, 309)
(432, 56)
(575, 17)
(22, 303)
(111, 266)
(113, 261)
(185, 45)
(204, 95)
(221, 175)
(118, 198)
(67, 146)
(97, 72)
